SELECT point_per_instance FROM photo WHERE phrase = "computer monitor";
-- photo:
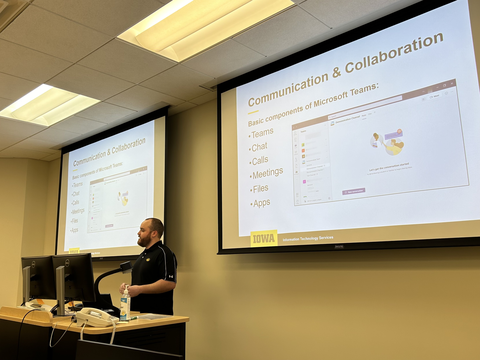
(39, 278)
(78, 284)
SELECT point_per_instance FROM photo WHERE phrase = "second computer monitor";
(79, 283)
(42, 278)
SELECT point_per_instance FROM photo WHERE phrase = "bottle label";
(124, 309)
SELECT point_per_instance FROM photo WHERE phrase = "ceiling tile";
(4, 103)
(79, 137)
(126, 61)
(52, 157)
(128, 118)
(339, 12)
(111, 17)
(17, 128)
(105, 112)
(13, 88)
(285, 30)
(78, 125)
(205, 98)
(180, 108)
(223, 59)
(180, 82)
(7, 141)
(52, 34)
(18, 152)
(138, 98)
(56, 136)
(88, 82)
(14, 131)
(29, 64)
(37, 145)
(5, 145)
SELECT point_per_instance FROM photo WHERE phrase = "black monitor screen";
(79, 284)
(42, 278)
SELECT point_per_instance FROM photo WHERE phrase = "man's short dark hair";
(156, 225)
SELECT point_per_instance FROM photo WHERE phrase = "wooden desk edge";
(46, 319)
(35, 317)
(64, 323)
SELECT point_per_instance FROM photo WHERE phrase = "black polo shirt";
(156, 263)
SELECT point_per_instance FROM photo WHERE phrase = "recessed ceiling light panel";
(47, 105)
(184, 28)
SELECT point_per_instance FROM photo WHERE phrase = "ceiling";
(72, 45)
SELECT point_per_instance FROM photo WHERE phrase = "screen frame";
(163, 112)
(82, 265)
(385, 22)
(46, 276)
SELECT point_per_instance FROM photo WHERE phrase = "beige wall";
(383, 304)
(12, 187)
(26, 192)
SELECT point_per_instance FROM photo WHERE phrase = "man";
(154, 274)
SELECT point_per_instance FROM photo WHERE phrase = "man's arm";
(157, 287)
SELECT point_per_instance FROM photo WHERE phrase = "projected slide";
(110, 190)
(375, 140)
(118, 200)
(408, 143)
(354, 153)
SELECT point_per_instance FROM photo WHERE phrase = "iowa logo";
(263, 238)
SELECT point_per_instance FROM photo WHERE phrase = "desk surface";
(46, 319)
(163, 335)
(36, 317)
(64, 323)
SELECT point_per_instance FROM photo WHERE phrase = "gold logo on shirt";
(148, 259)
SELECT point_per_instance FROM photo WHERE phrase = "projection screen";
(369, 140)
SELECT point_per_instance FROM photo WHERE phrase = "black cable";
(20, 330)
(31, 298)
(55, 307)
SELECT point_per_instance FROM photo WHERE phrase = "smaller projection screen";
(369, 140)
(109, 184)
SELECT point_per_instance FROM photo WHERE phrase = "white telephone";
(95, 317)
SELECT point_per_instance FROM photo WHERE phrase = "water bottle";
(125, 305)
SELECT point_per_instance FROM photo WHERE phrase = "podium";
(26, 335)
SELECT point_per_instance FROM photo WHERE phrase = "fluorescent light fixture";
(183, 28)
(47, 105)
(10, 9)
